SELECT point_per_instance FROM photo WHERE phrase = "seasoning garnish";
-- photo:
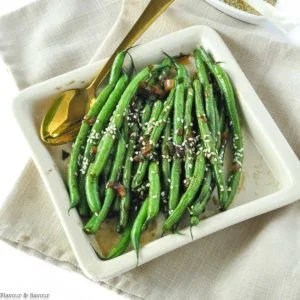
(242, 5)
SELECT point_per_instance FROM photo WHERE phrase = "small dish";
(236, 13)
(271, 169)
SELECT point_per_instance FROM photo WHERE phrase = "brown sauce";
(183, 59)
(107, 237)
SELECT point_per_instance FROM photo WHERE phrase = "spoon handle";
(154, 9)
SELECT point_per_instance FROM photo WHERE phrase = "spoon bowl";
(63, 119)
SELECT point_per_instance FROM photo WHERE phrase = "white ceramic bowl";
(236, 13)
(271, 171)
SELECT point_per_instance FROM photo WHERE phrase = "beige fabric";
(257, 259)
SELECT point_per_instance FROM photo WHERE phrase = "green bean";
(209, 62)
(207, 189)
(106, 173)
(210, 108)
(209, 145)
(83, 208)
(220, 125)
(116, 69)
(161, 122)
(104, 178)
(189, 140)
(107, 141)
(123, 243)
(201, 68)
(109, 164)
(205, 193)
(206, 58)
(220, 118)
(138, 224)
(224, 139)
(125, 201)
(156, 110)
(102, 119)
(181, 76)
(165, 157)
(148, 127)
(96, 131)
(146, 114)
(154, 191)
(93, 225)
(153, 140)
(75, 159)
(210, 105)
(189, 194)
(238, 154)
(177, 140)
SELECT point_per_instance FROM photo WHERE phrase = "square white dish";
(271, 171)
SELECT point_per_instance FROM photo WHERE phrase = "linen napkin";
(256, 259)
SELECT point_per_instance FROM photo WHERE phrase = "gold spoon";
(63, 119)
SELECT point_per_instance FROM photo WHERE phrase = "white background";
(19, 272)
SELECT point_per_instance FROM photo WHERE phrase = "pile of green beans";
(154, 143)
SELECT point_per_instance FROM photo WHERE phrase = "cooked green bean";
(161, 122)
(93, 225)
(206, 58)
(165, 157)
(127, 172)
(210, 104)
(156, 110)
(209, 145)
(116, 69)
(83, 208)
(235, 128)
(97, 129)
(210, 109)
(123, 243)
(107, 141)
(138, 226)
(177, 141)
(181, 76)
(207, 189)
(146, 114)
(78, 148)
(221, 122)
(224, 140)
(205, 193)
(209, 62)
(102, 120)
(153, 140)
(76, 159)
(189, 139)
(148, 126)
(154, 191)
(201, 68)
(106, 173)
(189, 194)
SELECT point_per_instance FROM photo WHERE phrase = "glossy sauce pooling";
(107, 237)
